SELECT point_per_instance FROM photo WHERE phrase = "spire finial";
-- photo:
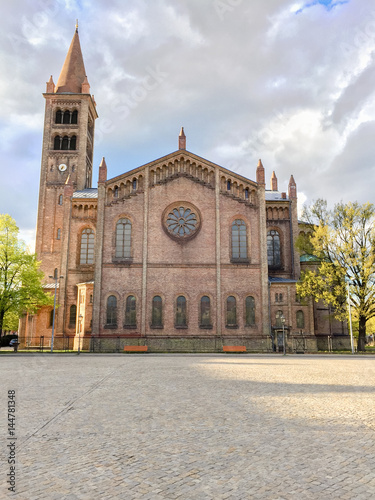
(182, 139)
(76, 25)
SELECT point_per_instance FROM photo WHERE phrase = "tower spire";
(73, 72)
(182, 139)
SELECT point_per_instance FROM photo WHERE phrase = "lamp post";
(80, 317)
(350, 319)
(281, 318)
(55, 277)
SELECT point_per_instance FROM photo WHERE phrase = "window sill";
(240, 261)
(181, 327)
(127, 261)
(130, 327)
(231, 327)
(157, 327)
(110, 327)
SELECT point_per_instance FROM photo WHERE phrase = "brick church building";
(179, 254)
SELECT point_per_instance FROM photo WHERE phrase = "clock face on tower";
(62, 167)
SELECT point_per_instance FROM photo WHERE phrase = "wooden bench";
(234, 348)
(136, 348)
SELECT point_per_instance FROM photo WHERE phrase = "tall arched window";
(66, 119)
(130, 311)
(87, 247)
(72, 315)
(249, 311)
(273, 249)
(123, 238)
(73, 143)
(279, 316)
(58, 116)
(205, 312)
(239, 240)
(111, 311)
(300, 317)
(57, 142)
(55, 273)
(157, 312)
(74, 117)
(181, 319)
(231, 311)
(65, 143)
(58, 234)
(60, 199)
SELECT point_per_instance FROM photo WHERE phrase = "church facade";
(177, 255)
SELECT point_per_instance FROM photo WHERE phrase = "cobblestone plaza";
(190, 426)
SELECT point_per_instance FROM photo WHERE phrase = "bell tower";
(67, 154)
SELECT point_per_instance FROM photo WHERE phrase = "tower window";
(228, 185)
(135, 185)
(65, 143)
(60, 199)
(59, 116)
(58, 234)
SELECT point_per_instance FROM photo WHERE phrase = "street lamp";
(281, 318)
(350, 319)
(55, 277)
(80, 318)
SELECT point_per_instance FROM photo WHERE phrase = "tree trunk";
(361, 333)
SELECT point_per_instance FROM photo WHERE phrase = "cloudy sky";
(289, 81)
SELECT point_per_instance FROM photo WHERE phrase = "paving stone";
(192, 427)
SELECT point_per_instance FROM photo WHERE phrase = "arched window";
(87, 247)
(66, 119)
(205, 312)
(279, 316)
(249, 311)
(55, 273)
(60, 199)
(228, 185)
(115, 192)
(58, 234)
(239, 240)
(134, 184)
(72, 314)
(51, 318)
(58, 116)
(181, 319)
(111, 311)
(65, 143)
(157, 312)
(74, 117)
(130, 311)
(231, 311)
(123, 238)
(73, 143)
(273, 249)
(246, 193)
(57, 142)
(300, 317)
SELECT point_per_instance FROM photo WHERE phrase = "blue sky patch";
(328, 4)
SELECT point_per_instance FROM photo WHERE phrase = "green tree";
(343, 240)
(20, 278)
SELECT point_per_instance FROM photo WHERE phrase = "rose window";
(181, 221)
